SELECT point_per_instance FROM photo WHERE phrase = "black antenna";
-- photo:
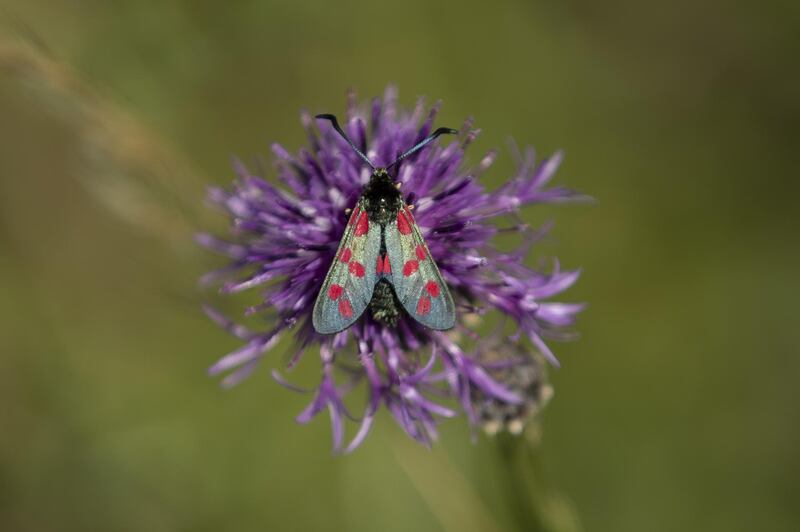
(422, 144)
(338, 129)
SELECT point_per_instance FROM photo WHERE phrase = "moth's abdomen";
(384, 305)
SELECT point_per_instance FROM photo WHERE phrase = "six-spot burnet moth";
(383, 261)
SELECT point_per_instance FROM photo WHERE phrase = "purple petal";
(560, 314)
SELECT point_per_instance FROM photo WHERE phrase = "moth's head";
(381, 177)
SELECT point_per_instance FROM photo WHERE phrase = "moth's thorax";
(381, 197)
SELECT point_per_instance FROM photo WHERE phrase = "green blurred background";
(676, 410)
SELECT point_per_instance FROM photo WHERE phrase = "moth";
(382, 261)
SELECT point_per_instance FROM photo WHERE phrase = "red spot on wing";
(345, 309)
(432, 287)
(357, 269)
(345, 255)
(363, 224)
(410, 267)
(354, 217)
(403, 224)
(335, 291)
(382, 265)
(408, 214)
(420, 252)
(423, 305)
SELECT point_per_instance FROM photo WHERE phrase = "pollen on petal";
(335, 291)
(345, 255)
(363, 224)
(432, 287)
(423, 305)
(357, 269)
(420, 251)
(402, 223)
(410, 267)
(345, 309)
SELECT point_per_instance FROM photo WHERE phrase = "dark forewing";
(417, 282)
(351, 278)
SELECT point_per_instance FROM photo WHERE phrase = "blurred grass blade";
(446, 492)
(128, 167)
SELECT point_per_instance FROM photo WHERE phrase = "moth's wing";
(351, 278)
(416, 279)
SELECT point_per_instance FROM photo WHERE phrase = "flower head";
(284, 237)
(521, 372)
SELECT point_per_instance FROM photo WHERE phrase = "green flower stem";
(533, 505)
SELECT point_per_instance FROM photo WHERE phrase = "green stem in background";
(533, 506)
(457, 504)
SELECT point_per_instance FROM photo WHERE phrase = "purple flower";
(283, 239)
